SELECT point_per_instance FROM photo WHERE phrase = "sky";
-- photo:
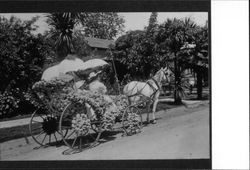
(133, 20)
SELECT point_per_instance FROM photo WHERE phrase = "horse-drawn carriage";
(72, 113)
(78, 116)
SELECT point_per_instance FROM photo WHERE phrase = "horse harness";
(155, 90)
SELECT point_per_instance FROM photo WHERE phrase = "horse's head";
(160, 76)
(168, 73)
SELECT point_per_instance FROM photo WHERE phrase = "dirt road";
(179, 133)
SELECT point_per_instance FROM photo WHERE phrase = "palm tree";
(172, 36)
(63, 25)
(198, 57)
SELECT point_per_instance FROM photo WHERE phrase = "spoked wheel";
(132, 120)
(75, 118)
(95, 126)
(43, 128)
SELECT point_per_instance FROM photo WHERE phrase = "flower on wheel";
(81, 124)
(134, 122)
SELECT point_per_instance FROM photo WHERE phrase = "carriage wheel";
(132, 115)
(43, 128)
(95, 126)
(76, 120)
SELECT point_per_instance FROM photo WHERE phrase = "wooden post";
(116, 78)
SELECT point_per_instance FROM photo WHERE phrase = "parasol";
(72, 64)
(91, 68)
(50, 73)
(94, 63)
(68, 65)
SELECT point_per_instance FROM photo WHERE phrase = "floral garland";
(81, 124)
(134, 123)
(133, 119)
(104, 112)
(52, 94)
(56, 94)
(51, 85)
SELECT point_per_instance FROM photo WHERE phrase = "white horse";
(150, 89)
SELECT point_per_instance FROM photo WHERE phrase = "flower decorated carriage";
(78, 116)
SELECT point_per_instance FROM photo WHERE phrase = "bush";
(108, 78)
(14, 103)
(8, 104)
(22, 57)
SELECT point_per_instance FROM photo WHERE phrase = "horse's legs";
(154, 109)
(148, 112)
(156, 100)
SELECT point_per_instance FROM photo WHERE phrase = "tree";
(68, 30)
(62, 26)
(104, 25)
(22, 56)
(198, 56)
(171, 37)
(21, 53)
(128, 51)
(200, 64)
(152, 24)
(81, 47)
(149, 46)
(137, 51)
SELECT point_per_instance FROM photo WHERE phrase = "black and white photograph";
(104, 86)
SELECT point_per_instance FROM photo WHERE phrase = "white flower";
(77, 116)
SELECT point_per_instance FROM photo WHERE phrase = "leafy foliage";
(178, 38)
(55, 94)
(81, 48)
(128, 51)
(22, 56)
(104, 25)
(8, 104)
(107, 76)
(52, 95)
(69, 29)
(197, 57)
(152, 25)
(179, 44)
(137, 50)
(62, 25)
